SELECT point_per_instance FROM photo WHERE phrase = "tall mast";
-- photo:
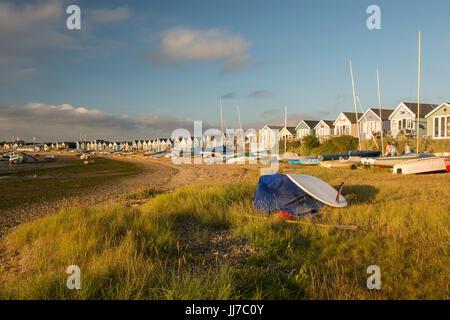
(285, 127)
(418, 101)
(381, 119)
(221, 120)
(354, 100)
(240, 123)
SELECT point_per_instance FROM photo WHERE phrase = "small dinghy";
(298, 195)
(351, 163)
(424, 165)
(312, 161)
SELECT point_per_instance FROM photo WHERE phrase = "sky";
(140, 69)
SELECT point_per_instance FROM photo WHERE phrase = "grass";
(20, 188)
(166, 249)
(343, 144)
(142, 194)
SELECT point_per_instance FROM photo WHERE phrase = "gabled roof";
(385, 113)
(425, 108)
(437, 108)
(350, 116)
(310, 123)
(274, 127)
(291, 130)
(327, 122)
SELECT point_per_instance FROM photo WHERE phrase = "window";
(442, 127)
(436, 127)
(448, 127)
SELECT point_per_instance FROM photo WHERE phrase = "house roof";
(291, 130)
(425, 108)
(350, 116)
(437, 108)
(385, 113)
(327, 122)
(310, 123)
(274, 127)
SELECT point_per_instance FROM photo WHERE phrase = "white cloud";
(64, 114)
(64, 119)
(180, 44)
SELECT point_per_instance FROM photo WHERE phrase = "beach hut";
(438, 122)
(195, 143)
(176, 144)
(251, 137)
(324, 130)
(370, 123)
(404, 118)
(287, 133)
(189, 143)
(346, 124)
(169, 144)
(269, 136)
(305, 128)
(182, 144)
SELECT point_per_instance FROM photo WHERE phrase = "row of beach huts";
(434, 122)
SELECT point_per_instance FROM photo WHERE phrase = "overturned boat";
(424, 165)
(297, 195)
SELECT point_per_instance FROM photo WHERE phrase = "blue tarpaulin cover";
(276, 192)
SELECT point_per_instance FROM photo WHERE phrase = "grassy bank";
(34, 184)
(310, 145)
(198, 243)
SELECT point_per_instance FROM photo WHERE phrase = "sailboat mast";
(418, 101)
(240, 123)
(381, 119)
(285, 127)
(221, 120)
(354, 100)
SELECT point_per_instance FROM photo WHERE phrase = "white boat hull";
(424, 165)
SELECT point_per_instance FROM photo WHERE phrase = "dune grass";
(166, 249)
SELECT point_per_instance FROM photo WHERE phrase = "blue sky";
(127, 64)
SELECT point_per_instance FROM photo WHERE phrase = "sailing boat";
(413, 162)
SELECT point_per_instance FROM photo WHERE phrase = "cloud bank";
(63, 119)
(34, 35)
(181, 44)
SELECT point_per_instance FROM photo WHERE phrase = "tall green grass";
(162, 250)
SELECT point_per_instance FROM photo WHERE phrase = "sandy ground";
(156, 172)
